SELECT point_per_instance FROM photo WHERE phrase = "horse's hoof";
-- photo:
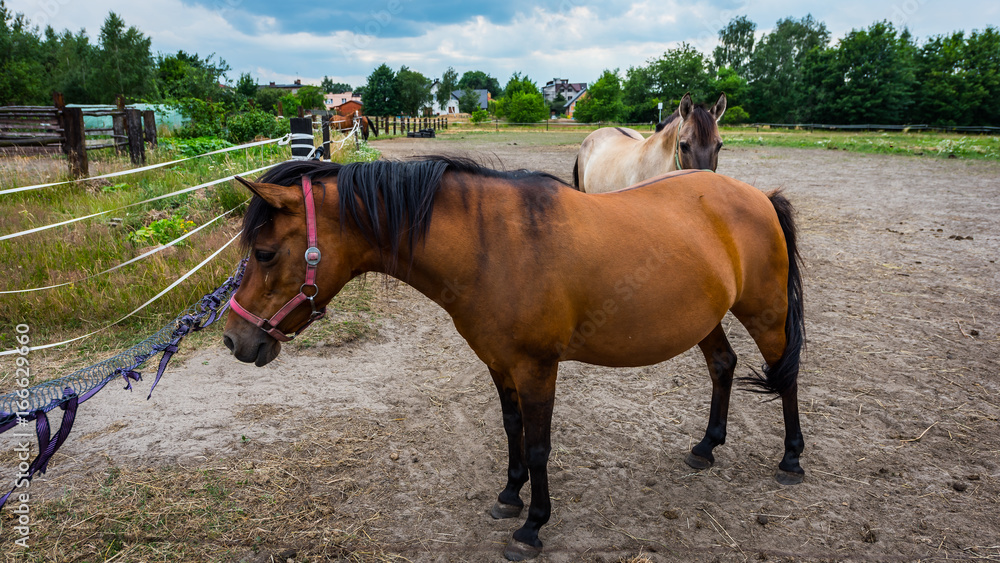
(788, 478)
(520, 551)
(697, 462)
(502, 510)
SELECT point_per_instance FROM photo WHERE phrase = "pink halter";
(312, 257)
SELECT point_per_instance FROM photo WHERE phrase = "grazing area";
(378, 436)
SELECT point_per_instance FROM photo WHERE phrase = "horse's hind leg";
(780, 376)
(509, 503)
(721, 363)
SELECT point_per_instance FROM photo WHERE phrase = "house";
(332, 102)
(557, 86)
(292, 88)
(350, 107)
(571, 104)
(451, 107)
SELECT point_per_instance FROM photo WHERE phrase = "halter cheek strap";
(312, 257)
(677, 146)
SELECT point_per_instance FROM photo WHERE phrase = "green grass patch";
(72, 253)
(940, 145)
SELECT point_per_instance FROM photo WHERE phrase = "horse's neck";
(656, 155)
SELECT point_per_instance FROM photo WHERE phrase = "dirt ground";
(899, 392)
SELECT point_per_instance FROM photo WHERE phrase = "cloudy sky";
(574, 39)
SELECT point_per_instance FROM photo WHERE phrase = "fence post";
(118, 125)
(75, 141)
(136, 146)
(303, 146)
(149, 126)
(326, 139)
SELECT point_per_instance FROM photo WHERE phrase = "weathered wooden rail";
(60, 127)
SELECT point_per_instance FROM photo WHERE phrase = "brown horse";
(533, 273)
(344, 124)
(612, 158)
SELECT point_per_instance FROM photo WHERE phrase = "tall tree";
(126, 64)
(73, 67)
(958, 77)
(447, 85)
(330, 87)
(678, 71)
(379, 96)
(469, 101)
(776, 91)
(22, 74)
(246, 86)
(735, 44)
(867, 78)
(412, 91)
(479, 80)
(604, 101)
(311, 97)
(184, 75)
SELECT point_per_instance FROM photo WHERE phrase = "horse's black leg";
(789, 470)
(721, 364)
(509, 503)
(536, 393)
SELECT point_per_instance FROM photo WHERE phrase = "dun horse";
(612, 158)
(533, 273)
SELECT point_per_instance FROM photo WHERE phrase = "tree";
(246, 86)
(22, 74)
(412, 91)
(189, 76)
(267, 99)
(479, 80)
(958, 77)
(330, 87)
(469, 101)
(73, 67)
(604, 101)
(678, 71)
(379, 96)
(524, 107)
(125, 63)
(776, 91)
(290, 105)
(311, 97)
(735, 44)
(867, 78)
(447, 85)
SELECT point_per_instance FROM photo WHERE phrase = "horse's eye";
(263, 256)
(719, 146)
(685, 147)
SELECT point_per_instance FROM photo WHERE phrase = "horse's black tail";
(576, 173)
(371, 123)
(783, 375)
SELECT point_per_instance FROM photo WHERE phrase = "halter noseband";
(312, 257)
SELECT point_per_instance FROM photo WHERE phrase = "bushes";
(244, 126)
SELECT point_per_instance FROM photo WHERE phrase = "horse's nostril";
(229, 343)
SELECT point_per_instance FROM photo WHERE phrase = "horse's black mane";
(700, 117)
(385, 198)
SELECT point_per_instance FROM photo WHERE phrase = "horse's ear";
(686, 106)
(276, 196)
(720, 107)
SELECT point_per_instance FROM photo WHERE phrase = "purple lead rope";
(211, 306)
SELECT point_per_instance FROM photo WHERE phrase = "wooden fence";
(61, 127)
(404, 125)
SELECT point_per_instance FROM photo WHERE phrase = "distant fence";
(63, 128)
(404, 125)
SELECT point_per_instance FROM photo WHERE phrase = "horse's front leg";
(509, 503)
(536, 385)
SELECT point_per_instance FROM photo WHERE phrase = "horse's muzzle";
(259, 350)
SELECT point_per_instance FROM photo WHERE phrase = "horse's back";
(599, 155)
